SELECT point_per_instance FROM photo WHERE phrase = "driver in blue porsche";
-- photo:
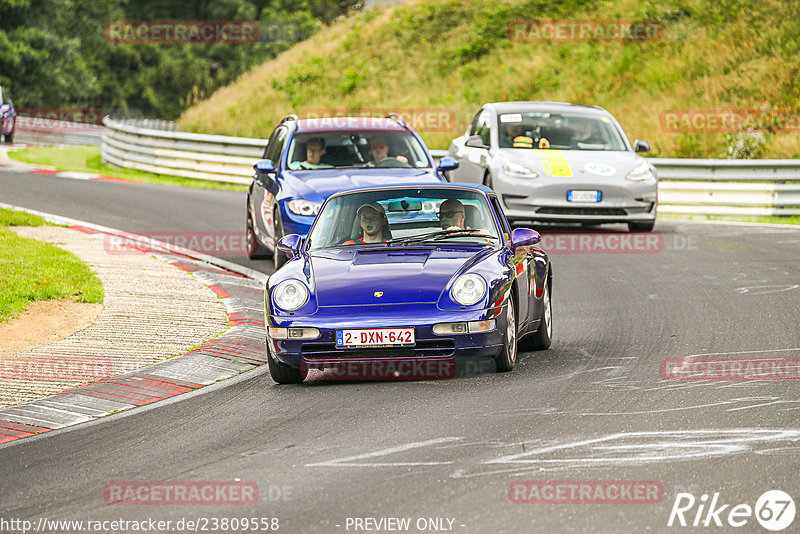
(374, 224)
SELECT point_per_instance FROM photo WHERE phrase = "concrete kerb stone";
(240, 348)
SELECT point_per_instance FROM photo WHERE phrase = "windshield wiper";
(439, 235)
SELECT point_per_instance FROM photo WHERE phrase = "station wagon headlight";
(289, 295)
(299, 206)
(520, 171)
(468, 289)
(642, 172)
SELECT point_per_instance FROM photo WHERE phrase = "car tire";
(508, 356)
(278, 257)
(282, 373)
(543, 337)
(487, 180)
(255, 249)
(641, 226)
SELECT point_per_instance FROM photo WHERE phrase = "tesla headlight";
(468, 289)
(642, 172)
(520, 171)
(299, 206)
(290, 295)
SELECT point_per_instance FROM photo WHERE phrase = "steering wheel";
(392, 162)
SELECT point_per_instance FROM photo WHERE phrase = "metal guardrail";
(686, 186)
(206, 157)
(728, 187)
(38, 131)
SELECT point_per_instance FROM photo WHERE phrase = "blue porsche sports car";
(405, 282)
(307, 160)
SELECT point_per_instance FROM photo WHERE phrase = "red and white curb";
(239, 349)
(78, 175)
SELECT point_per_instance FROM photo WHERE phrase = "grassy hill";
(452, 56)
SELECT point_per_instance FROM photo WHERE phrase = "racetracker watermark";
(728, 120)
(585, 492)
(49, 368)
(584, 31)
(730, 369)
(200, 31)
(426, 119)
(60, 118)
(602, 243)
(181, 493)
(431, 369)
(212, 243)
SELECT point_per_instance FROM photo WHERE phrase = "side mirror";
(264, 166)
(447, 164)
(523, 237)
(475, 141)
(641, 146)
(290, 244)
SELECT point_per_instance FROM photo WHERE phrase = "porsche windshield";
(564, 131)
(328, 150)
(398, 217)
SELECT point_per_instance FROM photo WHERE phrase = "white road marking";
(663, 446)
(345, 462)
(764, 290)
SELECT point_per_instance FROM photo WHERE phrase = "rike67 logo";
(774, 510)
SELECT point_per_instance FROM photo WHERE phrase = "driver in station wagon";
(315, 149)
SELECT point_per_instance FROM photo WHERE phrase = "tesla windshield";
(566, 131)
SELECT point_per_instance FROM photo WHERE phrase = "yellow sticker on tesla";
(554, 162)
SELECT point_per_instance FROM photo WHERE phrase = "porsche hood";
(347, 277)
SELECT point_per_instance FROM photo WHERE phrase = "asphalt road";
(592, 408)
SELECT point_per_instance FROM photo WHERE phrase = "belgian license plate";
(584, 196)
(375, 337)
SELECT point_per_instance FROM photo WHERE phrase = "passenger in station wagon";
(379, 150)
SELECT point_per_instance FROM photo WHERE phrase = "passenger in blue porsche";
(315, 149)
(374, 224)
(452, 214)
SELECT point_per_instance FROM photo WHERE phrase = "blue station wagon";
(307, 160)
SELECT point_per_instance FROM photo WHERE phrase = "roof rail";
(399, 118)
(292, 117)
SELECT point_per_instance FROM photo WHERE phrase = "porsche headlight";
(289, 295)
(299, 206)
(642, 172)
(520, 171)
(468, 289)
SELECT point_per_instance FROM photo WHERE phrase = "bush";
(745, 145)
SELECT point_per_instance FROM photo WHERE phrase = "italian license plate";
(375, 337)
(584, 196)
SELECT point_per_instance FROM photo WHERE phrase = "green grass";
(19, 218)
(455, 55)
(774, 219)
(33, 270)
(88, 159)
